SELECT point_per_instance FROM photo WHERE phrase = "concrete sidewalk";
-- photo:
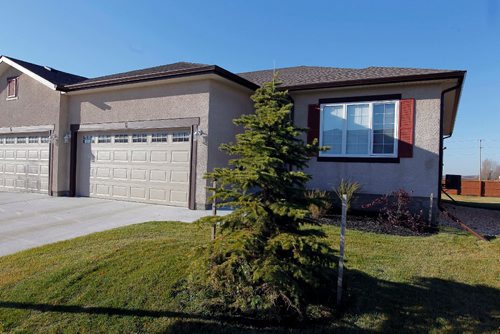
(30, 220)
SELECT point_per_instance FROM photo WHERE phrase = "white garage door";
(142, 166)
(24, 163)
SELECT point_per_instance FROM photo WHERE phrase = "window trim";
(370, 154)
(16, 88)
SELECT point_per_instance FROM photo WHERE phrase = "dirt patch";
(370, 224)
(483, 221)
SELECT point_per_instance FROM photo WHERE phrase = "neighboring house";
(150, 135)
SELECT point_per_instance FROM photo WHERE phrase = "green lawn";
(475, 201)
(119, 281)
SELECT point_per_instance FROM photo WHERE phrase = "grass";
(119, 281)
(492, 203)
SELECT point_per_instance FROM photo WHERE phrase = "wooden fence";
(477, 188)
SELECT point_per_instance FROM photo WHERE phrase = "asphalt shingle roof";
(310, 75)
(299, 77)
(58, 78)
(147, 71)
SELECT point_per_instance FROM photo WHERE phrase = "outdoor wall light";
(67, 137)
(198, 133)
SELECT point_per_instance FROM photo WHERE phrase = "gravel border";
(483, 221)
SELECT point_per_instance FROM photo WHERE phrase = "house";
(150, 135)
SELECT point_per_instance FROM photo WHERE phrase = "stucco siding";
(227, 102)
(36, 105)
(417, 175)
(158, 102)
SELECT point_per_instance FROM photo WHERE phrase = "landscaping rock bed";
(370, 224)
(483, 221)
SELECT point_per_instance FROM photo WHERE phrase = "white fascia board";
(28, 72)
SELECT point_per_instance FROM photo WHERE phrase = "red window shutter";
(313, 123)
(406, 128)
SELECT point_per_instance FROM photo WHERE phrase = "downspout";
(442, 137)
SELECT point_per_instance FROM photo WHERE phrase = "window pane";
(121, 138)
(159, 137)
(87, 139)
(180, 137)
(383, 128)
(332, 127)
(358, 121)
(140, 138)
(33, 140)
(103, 139)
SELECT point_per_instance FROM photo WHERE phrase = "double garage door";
(141, 166)
(24, 162)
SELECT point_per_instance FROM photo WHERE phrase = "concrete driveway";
(30, 220)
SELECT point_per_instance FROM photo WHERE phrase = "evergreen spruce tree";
(266, 262)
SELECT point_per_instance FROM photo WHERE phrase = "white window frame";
(370, 153)
(16, 88)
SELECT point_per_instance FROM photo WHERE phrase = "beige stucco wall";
(153, 102)
(227, 102)
(418, 175)
(36, 104)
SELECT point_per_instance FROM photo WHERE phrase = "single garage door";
(24, 163)
(141, 166)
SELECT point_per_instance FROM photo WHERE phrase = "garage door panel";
(158, 195)
(138, 192)
(44, 155)
(44, 170)
(180, 156)
(33, 155)
(159, 156)
(179, 176)
(126, 167)
(120, 173)
(21, 154)
(120, 191)
(120, 156)
(103, 156)
(103, 172)
(139, 156)
(24, 164)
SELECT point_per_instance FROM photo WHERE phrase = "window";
(87, 139)
(104, 139)
(140, 138)
(363, 129)
(121, 138)
(2, 140)
(12, 85)
(45, 139)
(180, 136)
(33, 139)
(21, 140)
(159, 137)
(10, 140)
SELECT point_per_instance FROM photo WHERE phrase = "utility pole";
(480, 159)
